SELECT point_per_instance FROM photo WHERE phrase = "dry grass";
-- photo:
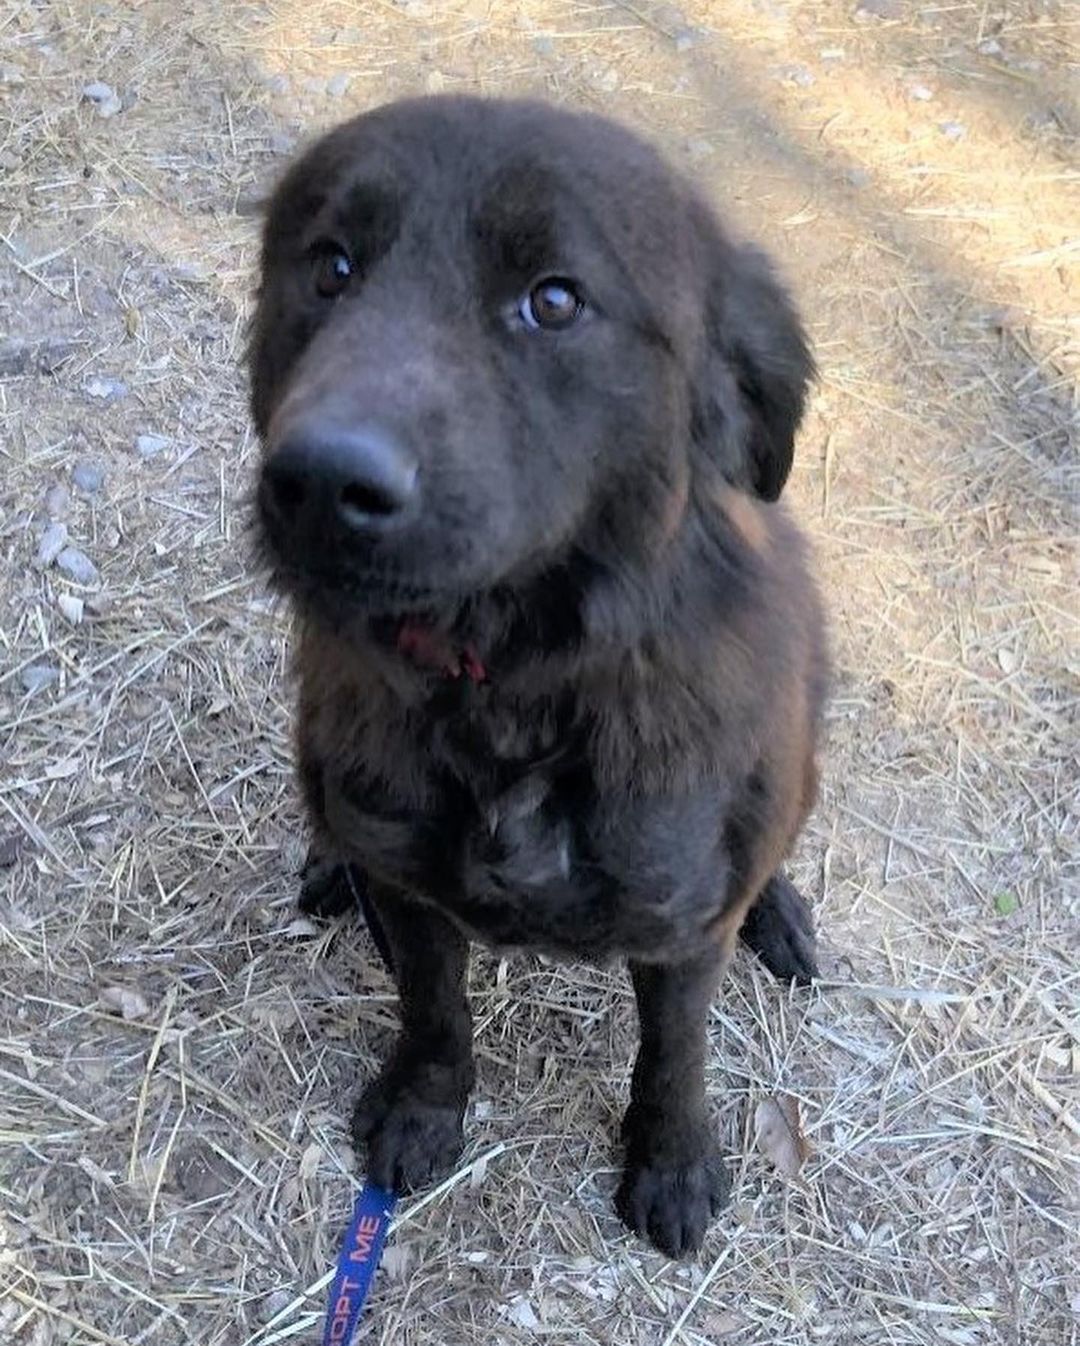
(178, 1052)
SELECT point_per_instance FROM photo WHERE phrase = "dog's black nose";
(358, 477)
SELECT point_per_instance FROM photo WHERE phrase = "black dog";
(561, 669)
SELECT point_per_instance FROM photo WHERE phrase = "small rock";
(607, 80)
(9, 159)
(71, 608)
(687, 38)
(280, 143)
(880, 9)
(798, 75)
(698, 148)
(149, 446)
(953, 130)
(77, 566)
(920, 93)
(88, 477)
(990, 47)
(57, 501)
(544, 46)
(521, 1313)
(105, 389)
(36, 676)
(103, 96)
(52, 543)
(278, 83)
(277, 1301)
(338, 85)
(129, 1004)
(857, 177)
(10, 74)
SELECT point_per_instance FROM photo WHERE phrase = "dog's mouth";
(418, 624)
(422, 641)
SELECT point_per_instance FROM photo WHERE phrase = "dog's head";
(492, 335)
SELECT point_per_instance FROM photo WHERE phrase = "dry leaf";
(62, 770)
(522, 1314)
(396, 1261)
(127, 1003)
(95, 1172)
(723, 1324)
(779, 1134)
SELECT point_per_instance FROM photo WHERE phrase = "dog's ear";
(756, 369)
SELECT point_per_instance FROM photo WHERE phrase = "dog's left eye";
(552, 304)
(332, 271)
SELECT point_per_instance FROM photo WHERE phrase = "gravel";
(880, 9)
(57, 501)
(88, 476)
(52, 542)
(71, 608)
(103, 96)
(77, 566)
(149, 446)
(36, 676)
(103, 389)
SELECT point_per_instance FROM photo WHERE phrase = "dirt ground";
(178, 1051)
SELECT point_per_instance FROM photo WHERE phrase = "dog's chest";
(453, 785)
(496, 818)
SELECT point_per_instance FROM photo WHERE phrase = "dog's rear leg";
(410, 1116)
(780, 930)
(328, 887)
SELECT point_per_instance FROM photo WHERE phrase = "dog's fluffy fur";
(571, 703)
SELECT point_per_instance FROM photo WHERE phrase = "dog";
(526, 410)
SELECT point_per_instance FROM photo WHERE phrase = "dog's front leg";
(673, 1181)
(410, 1116)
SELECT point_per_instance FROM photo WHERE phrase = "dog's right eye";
(332, 271)
(552, 304)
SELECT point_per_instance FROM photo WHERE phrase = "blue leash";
(362, 1245)
(357, 1262)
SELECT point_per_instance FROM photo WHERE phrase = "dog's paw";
(672, 1203)
(410, 1142)
(780, 930)
(327, 887)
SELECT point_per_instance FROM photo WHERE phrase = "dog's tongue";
(424, 645)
